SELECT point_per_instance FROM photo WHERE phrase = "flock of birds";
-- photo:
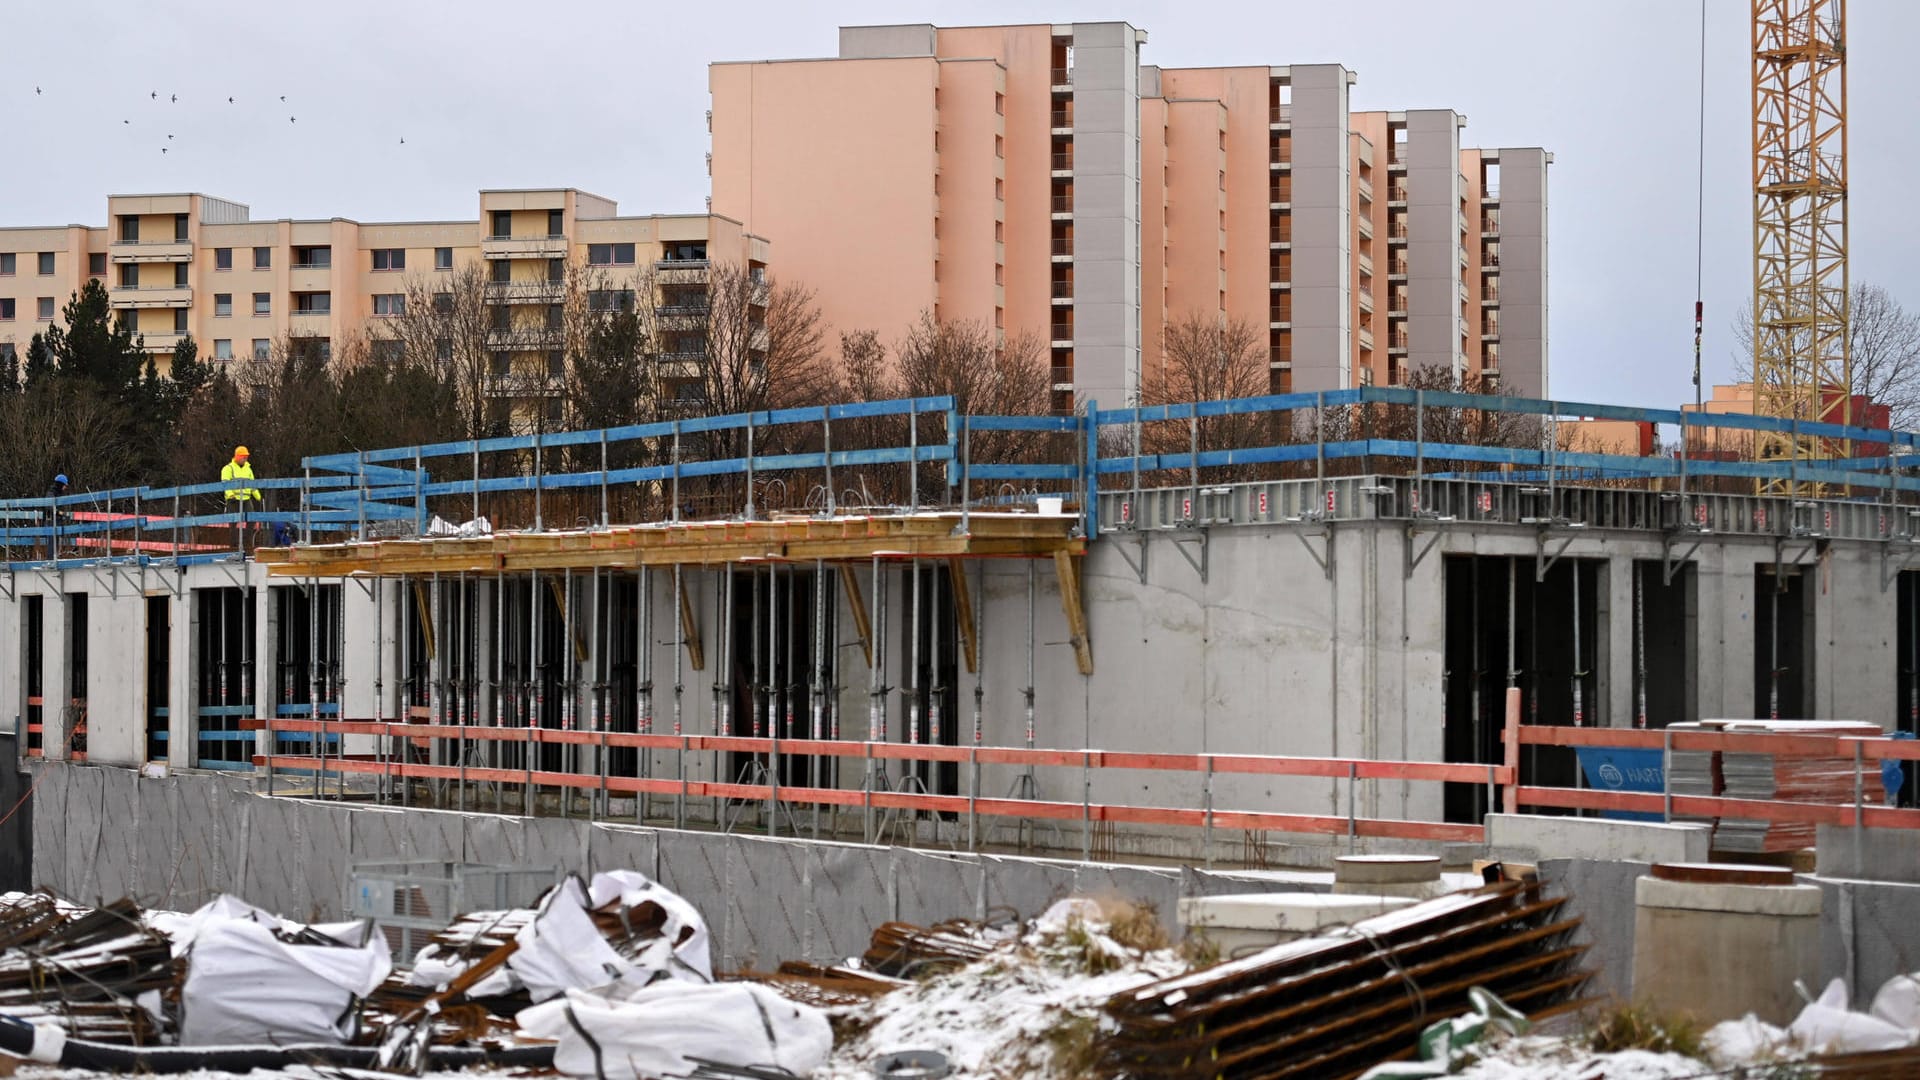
(174, 99)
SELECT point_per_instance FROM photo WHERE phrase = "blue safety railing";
(347, 494)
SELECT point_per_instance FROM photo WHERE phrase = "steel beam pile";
(1337, 1004)
(84, 967)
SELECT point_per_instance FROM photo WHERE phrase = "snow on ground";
(1545, 1058)
(999, 1016)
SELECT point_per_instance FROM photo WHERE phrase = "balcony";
(1365, 263)
(1062, 250)
(1397, 344)
(309, 279)
(1062, 376)
(150, 251)
(1280, 167)
(1061, 80)
(1061, 122)
(551, 246)
(1490, 194)
(127, 297)
(1365, 227)
(1396, 195)
(1062, 335)
(525, 292)
(1063, 164)
(694, 268)
(1062, 207)
(1489, 227)
(524, 337)
(1365, 187)
(1280, 117)
(1366, 339)
(1490, 295)
(1364, 297)
(166, 341)
(1280, 237)
(1489, 261)
(1490, 331)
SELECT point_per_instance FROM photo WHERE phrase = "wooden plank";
(963, 611)
(1068, 572)
(850, 581)
(424, 608)
(689, 629)
(573, 632)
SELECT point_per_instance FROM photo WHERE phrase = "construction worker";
(240, 469)
(54, 491)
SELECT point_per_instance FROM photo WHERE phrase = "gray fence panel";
(695, 866)
(765, 904)
(86, 812)
(932, 887)
(623, 847)
(849, 894)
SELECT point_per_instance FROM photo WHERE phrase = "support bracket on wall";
(1671, 563)
(239, 579)
(1324, 556)
(9, 588)
(1067, 570)
(1414, 551)
(1197, 540)
(365, 583)
(1543, 562)
(1136, 560)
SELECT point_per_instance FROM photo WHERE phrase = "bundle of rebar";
(903, 950)
(1337, 1004)
(824, 987)
(85, 970)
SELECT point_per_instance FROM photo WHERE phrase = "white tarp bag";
(1828, 1027)
(659, 1029)
(561, 949)
(436, 966)
(246, 986)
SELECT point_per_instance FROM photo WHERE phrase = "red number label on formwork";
(1827, 516)
(1700, 514)
(1415, 494)
(1263, 503)
(1486, 501)
(1883, 524)
(1333, 501)
(1186, 507)
(1760, 518)
(1126, 510)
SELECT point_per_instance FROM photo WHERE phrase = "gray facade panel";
(1322, 258)
(1106, 222)
(1524, 321)
(875, 42)
(1433, 240)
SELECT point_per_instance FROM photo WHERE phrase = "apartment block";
(181, 264)
(1040, 179)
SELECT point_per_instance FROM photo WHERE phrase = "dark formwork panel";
(1666, 652)
(1906, 710)
(159, 674)
(1783, 641)
(1554, 657)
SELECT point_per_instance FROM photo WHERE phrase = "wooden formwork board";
(694, 544)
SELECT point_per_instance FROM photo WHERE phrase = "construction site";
(1406, 704)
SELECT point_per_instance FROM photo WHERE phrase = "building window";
(46, 264)
(179, 226)
(312, 303)
(556, 270)
(45, 305)
(312, 258)
(443, 303)
(610, 300)
(443, 258)
(7, 355)
(502, 224)
(179, 275)
(262, 258)
(129, 228)
(1000, 190)
(556, 223)
(222, 305)
(262, 348)
(6, 309)
(500, 272)
(443, 349)
(389, 304)
(389, 258)
(999, 146)
(388, 351)
(223, 258)
(179, 320)
(262, 303)
(7, 260)
(129, 276)
(223, 348)
(610, 254)
(97, 263)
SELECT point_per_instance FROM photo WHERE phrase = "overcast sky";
(610, 96)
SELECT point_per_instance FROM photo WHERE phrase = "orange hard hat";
(239, 451)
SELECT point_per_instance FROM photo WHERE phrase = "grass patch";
(1199, 949)
(1135, 925)
(1074, 1042)
(1643, 1027)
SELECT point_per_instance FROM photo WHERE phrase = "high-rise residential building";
(184, 264)
(1041, 180)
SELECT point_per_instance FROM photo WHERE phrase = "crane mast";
(1802, 357)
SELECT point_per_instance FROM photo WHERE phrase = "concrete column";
(13, 683)
(183, 676)
(54, 670)
(360, 654)
(1322, 254)
(117, 677)
(1106, 212)
(1433, 241)
(1856, 636)
(1616, 705)
(1523, 271)
(265, 624)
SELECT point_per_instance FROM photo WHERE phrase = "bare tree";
(1884, 338)
(447, 320)
(1206, 358)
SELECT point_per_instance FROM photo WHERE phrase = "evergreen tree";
(39, 360)
(96, 347)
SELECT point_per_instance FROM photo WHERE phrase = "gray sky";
(610, 96)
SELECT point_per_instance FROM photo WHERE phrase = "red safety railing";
(387, 764)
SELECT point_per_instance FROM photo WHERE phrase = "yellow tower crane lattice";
(1802, 362)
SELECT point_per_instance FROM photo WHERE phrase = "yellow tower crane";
(1802, 357)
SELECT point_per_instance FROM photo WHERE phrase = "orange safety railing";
(386, 764)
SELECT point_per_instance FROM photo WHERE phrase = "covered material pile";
(1335, 1004)
(1769, 777)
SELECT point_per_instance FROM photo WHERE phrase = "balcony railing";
(1063, 163)
(1490, 225)
(1063, 247)
(1061, 332)
(1489, 260)
(1063, 204)
(1397, 267)
(1063, 290)
(1490, 193)
(1280, 235)
(1062, 77)
(1397, 192)
(150, 296)
(1280, 114)
(1396, 232)
(682, 264)
(1062, 375)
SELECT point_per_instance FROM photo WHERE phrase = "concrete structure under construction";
(1373, 615)
(1042, 180)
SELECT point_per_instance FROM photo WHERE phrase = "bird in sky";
(163, 149)
(36, 91)
(283, 97)
(229, 101)
(292, 120)
(169, 138)
(126, 121)
(403, 140)
(155, 95)
(175, 98)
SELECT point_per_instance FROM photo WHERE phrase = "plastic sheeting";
(561, 949)
(1827, 1025)
(245, 984)
(660, 1029)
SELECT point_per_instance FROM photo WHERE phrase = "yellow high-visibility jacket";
(240, 470)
